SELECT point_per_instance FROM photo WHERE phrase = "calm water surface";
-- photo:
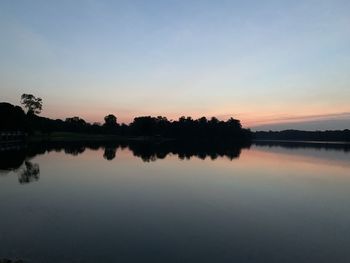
(266, 203)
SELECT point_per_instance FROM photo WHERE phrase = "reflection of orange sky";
(262, 159)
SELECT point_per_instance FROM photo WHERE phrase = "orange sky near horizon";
(249, 119)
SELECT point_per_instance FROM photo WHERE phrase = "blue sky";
(264, 62)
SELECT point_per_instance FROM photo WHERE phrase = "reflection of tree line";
(186, 149)
(18, 159)
(147, 150)
(151, 150)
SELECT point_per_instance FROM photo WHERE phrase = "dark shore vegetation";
(14, 118)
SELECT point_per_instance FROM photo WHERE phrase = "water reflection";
(334, 153)
(149, 151)
(29, 173)
(17, 158)
(74, 149)
(276, 203)
(345, 147)
(146, 150)
(17, 161)
(109, 153)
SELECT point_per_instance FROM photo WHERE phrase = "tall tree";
(33, 104)
(110, 121)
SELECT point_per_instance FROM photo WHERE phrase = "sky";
(271, 64)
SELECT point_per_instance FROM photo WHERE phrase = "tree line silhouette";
(14, 118)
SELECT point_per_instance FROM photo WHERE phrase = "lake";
(268, 202)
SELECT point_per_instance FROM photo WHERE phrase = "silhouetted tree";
(111, 123)
(110, 120)
(31, 103)
(76, 124)
(144, 125)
